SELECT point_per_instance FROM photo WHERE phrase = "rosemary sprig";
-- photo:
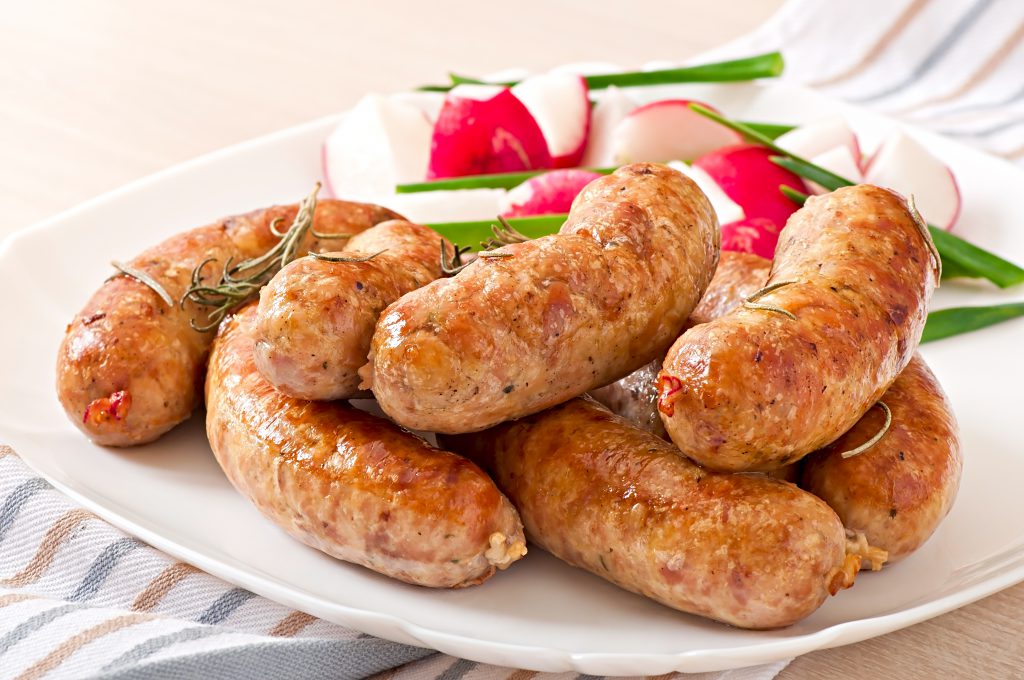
(324, 257)
(454, 264)
(240, 282)
(480, 231)
(767, 65)
(145, 279)
(503, 235)
(876, 438)
(751, 301)
(958, 255)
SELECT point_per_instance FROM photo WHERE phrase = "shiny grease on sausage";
(623, 504)
(350, 484)
(635, 397)
(899, 490)
(316, 317)
(763, 387)
(130, 366)
(539, 322)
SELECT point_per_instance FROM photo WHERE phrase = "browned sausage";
(540, 322)
(316, 318)
(130, 366)
(897, 491)
(623, 504)
(351, 484)
(757, 389)
(635, 397)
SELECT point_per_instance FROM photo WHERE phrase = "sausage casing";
(623, 504)
(130, 366)
(316, 317)
(763, 387)
(635, 397)
(350, 484)
(899, 490)
(537, 323)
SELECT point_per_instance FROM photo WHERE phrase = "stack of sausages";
(707, 369)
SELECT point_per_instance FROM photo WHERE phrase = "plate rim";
(547, 658)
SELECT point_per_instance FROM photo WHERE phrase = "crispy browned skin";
(316, 318)
(546, 320)
(130, 367)
(898, 491)
(623, 504)
(350, 484)
(635, 397)
(755, 389)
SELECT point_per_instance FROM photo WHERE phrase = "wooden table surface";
(96, 93)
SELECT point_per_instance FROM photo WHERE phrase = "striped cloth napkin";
(79, 598)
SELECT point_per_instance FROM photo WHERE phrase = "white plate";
(540, 614)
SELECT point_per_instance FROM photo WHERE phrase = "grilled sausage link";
(635, 397)
(537, 323)
(316, 318)
(350, 484)
(623, 504)
(131, 367)
(764, 386)
(899, 490)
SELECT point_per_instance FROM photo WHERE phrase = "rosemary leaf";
(944, 323)
(145, 279)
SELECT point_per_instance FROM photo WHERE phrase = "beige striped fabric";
(79, 599)
(955, 67)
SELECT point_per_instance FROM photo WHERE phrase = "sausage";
(536, 323)
(623, 504)
(757, 389)
(130, 366)
(899, 490)
(635, 397)
(350, 484)
(316, 318)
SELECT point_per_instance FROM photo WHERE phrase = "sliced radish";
(726, 209)
(484, 129)
(431, 207)
(429, 103)
(903, 164)
(666, 130)
(757, 235)
(820, 137)
(561, 105)
(611, 109)
(379, 143)
(748, 177)
(839, 160)
(547, 194)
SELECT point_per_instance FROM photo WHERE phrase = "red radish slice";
(611, 109)
(668, 130)
(757, 235)
(820, 137)
(485, 129)
(749, 178)
(548, 194)
(561, 105)
(903, 164)
(379, 143)
(726, 209)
